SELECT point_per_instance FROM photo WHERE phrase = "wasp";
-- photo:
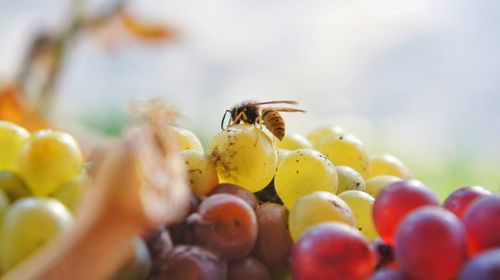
(254, 113)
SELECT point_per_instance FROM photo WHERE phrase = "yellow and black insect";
(253, 113)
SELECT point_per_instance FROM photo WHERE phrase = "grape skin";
(458, 201)
(201, 174)
(186, 139)
(374, 185)
(483, 266)
(349, 179)
(388, 165)
(481, 220)
(12, 139)
(361, 205)
(240, 192)
(248, 268)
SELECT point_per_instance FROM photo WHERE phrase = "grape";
(332, 251)
(139, 266)
(71, 192)
(13, 186)
(248, 268)
(389, 274)
(240, 192)
(423, 237)
(484, 266)
(29, 224)
(201, 174)
(388, 165)
(349, 179)
(323, 132)
(159, 245)
(49, 159)
(315, 208)
(187, 140)
(346, 150)
(302, 172)
(481, 220)
(12, 139)
(190, 263)
(458, 201)
(395, 201)
(225, 224)
(245, 156)
(384, 253)
(293, 141)
(375, 184)
(4, 205)
(361, 205)
(274, 243)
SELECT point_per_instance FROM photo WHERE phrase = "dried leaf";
(145, 31)
(14, 109)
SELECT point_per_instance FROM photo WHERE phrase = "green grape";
(49, 159)
(361, 205)
(187, 140)
(244, 155)
(12, 139)
(70, 192)
(302, 172)
(346, 150)
(139, 266)
(375, 184)
(321, 133)
(13, 186)
(315, 208)
(293, 141)
(29, 224)
(386, 164)
(201, 174)
(349, 179)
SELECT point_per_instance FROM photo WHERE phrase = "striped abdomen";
(274, 122)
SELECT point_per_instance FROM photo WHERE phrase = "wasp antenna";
(223, 118)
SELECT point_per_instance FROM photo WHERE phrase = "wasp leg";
(238, 118)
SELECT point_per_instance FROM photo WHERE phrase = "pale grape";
(321, 133)
(315, 208)
(346, 150)
(244, 155)
(375, 184)
(201, 173)
(29, 224)
(302, 172)
(282, 153)
(12, 139)
(361, 205)
(13, 186)
(293, 141)
(49, 159)
(349, 179)
(70, 193)
(187, 140)
(386, 164)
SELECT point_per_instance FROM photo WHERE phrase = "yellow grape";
(13, 186)
(323, 132)
(70, 192)
(29, 224)
(315, 208)
(302, 172)
(187, 140)
(49, 159)
(12, 139)
(201, 174)
(361, 205)
(349, 179)
(375, 184)
(346, 150)
(386, 164)
(293, 141)
(244, 155)
(282, 153)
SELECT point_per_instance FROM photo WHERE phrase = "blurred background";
(415, 79)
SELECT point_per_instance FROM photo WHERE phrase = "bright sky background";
(418, 79)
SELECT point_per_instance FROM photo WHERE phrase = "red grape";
(238, 191)
(225, 224)
(274, 243)
(484, 266)
(332, 250)
(159, 245)
(482, 222)
(248, 268)
(395, 201)
(458, 201)
(389, 274)
(192, 263)
(424, 236)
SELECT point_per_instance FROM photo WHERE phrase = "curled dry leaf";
(139, 184)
